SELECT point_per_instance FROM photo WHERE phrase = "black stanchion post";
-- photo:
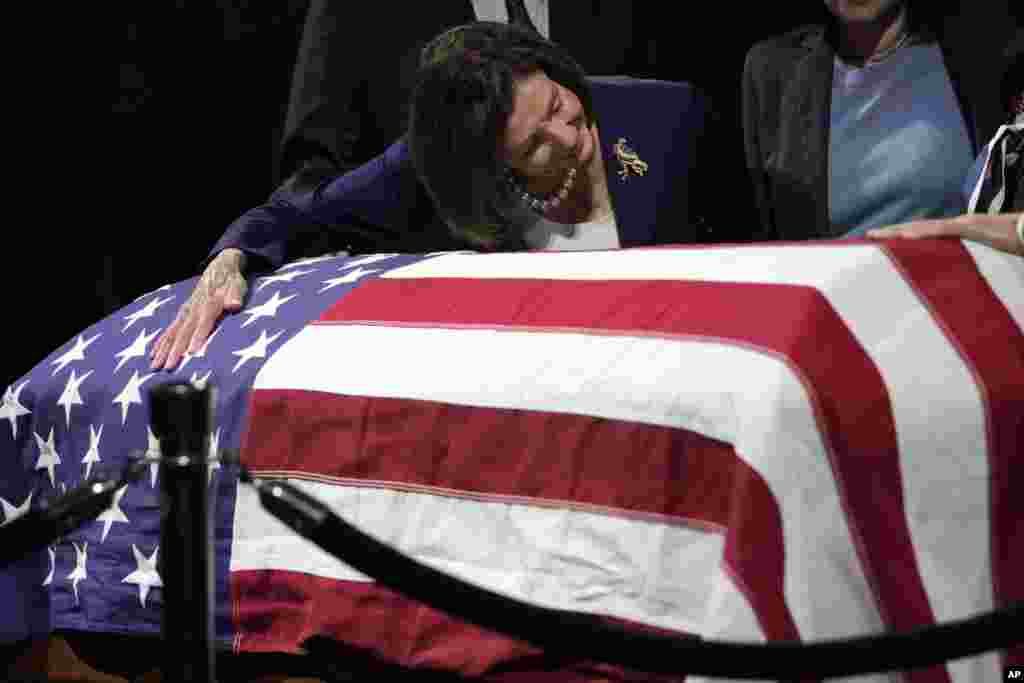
(181, 415)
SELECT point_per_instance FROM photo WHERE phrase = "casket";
(748, 443)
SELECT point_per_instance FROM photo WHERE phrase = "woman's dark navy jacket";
(381, 207)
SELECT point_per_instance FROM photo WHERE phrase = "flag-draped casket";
(744, 442)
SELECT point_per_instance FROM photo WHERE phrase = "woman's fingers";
(181, 339)
(160, 348)
(165, 342)
(918, 229)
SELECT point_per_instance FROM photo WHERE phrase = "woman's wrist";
(233, 256)
(1020, 231)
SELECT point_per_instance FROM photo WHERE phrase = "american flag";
(747, 443)
(86, 407)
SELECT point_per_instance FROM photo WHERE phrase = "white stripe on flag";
(1004, 274)
(926, 379)
(720, 391)
(808, 265)
(729, 618)
(558, 558)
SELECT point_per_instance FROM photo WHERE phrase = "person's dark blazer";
(786, 99)
(355, 68)
(381, 207)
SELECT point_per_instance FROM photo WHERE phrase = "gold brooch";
(629, 160)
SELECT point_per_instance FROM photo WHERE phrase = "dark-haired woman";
(510, 147)
(874, 116)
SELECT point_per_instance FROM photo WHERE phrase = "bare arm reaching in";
(999, 231)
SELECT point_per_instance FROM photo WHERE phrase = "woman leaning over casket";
(510, 146)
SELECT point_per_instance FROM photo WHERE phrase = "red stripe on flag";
(947, 280)
(384, 628)
(537, 457)
(793, 323)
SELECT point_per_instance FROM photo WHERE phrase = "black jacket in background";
(787, 87)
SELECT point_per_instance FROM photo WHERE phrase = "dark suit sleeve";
(374, 202)
(752, 120)
(326, 104)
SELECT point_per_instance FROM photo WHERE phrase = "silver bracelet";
(1020, 228)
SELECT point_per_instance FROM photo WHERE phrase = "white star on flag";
(198, 354)
(53, 566)
(267, 309)
(11, 512)
(200, 382)
(145, 312)
(366, 260)
(213, 455)
(305, 262)
(130, 394)
(71, 395)
(114, 513)
(145, 576)
(152, 451)
(11, 408)
(93, 454)
(48, 457)
(79, 572)
(137, 348)
(351, 276)
(162, 289)
(75, 353)
(286, 277)
(257, 350)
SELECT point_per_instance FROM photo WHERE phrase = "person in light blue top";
(872, 116)
(899, 147)
(994, 189)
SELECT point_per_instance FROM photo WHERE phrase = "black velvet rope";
(588, 637)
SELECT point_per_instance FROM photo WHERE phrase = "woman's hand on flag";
(221, 289)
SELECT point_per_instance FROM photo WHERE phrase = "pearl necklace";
(551, 201)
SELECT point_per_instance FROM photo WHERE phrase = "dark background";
(202, 88)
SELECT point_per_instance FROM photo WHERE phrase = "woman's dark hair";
(460, 105)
